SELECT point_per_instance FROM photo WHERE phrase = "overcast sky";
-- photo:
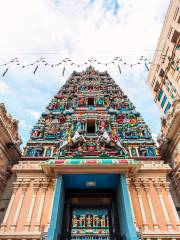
(81, 29)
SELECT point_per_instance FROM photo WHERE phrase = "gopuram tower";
(91, 170)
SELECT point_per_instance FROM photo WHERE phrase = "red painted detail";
(124, 161)
(91, 161)
(59, 161)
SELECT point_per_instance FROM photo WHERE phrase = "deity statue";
(74, 221)
(88, 220)
(102, 125)
(143, 150)
(61, 118)
(99, 101)
(39, 150)
(82, 101)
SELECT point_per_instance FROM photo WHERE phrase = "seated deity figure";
(102, 125)
(114, 136)
(39, 150)
(61, 118)
(82, 101)
(99, 101)
(79, 125)
(143, 150)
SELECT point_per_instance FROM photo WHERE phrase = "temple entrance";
(90, 214)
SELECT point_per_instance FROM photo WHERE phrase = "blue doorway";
(77, 200)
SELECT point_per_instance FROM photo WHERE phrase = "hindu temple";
(91, 170)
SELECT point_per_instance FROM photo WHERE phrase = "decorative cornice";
(10, 124)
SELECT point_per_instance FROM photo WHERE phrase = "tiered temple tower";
(91, 170)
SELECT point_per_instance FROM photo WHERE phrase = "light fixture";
(90, 184)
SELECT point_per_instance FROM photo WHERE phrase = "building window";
(157, 69)
(169, 33)
(176, 13)
(175, 37)
(167, 107)
(163, 101)
(153, 81)
(161, 73)
(156, 87)
(160, 95)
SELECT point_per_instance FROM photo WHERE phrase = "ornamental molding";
(10, 125)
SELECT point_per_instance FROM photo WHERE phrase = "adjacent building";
(164, 75)
(10, 154)
(164, 82)
(91, 170)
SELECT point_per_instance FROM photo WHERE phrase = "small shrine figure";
(102, 221)
(102, 125)
(39, 150)
(143, 150)
(82, 101)
(89, 221)
(99, 101)
(68, 134)
(62, 118)
(36, 133)
(97, 221)
(114, 136)
(74, 221)
(81, 221)
(79, 124)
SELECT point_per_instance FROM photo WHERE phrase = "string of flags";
(119, 61)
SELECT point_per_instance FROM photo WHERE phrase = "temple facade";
(91, 170)
(10, 153)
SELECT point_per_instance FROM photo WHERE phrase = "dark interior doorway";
(91, 126)
(91, 101)
(90, 214)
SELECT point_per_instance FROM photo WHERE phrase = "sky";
(54, 30)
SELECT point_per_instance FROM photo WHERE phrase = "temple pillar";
(158, 188)
(53, 186)
(55, 228)
(167, 188)
(44, 186)
(146, 185)
(125, 213)
(130, 199)
(4, 223)
(24, 186)
(36, 185)
(138, 189)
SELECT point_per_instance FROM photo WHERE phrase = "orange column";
(172, 206)
(44, 186)
(138, 189)
(146, 186)
(24, 186)
(36, 185)
(15, 188)
(167, 219)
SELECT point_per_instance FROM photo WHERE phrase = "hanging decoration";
(143, 60)
(119, 69)
(63, 71)
(35, 69)
(146, 67)
(4, 73)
